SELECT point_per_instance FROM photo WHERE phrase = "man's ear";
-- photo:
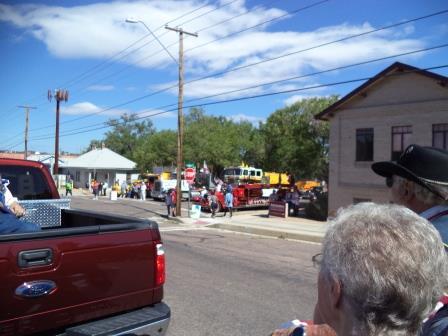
(336, 292)
(408, 191)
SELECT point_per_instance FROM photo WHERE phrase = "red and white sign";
(190, 174)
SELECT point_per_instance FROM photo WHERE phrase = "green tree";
(218, 141)
(158, 149)
(295, 141)
(128, 134)
(93, 144)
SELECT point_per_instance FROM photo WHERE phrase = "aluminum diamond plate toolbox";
(46, 213)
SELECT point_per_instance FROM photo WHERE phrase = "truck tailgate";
(76, 277)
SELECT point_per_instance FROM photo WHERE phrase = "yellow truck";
(304, 185)
(248, 174)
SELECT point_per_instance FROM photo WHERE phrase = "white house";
(101, 164)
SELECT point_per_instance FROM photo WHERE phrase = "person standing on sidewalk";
(69, 186)
(105, 186)
(173, 202)
(95, 185)
(229, 202)
(213, 201)
(168, 202)
(143, 191)
(123, 187)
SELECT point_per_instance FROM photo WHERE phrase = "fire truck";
(248, 195)
(247, 174)
(250, 187)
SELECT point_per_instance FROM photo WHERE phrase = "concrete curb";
(267, 232)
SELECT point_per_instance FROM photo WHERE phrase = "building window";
(364, 144)
(77, 176)
(440, 136)
(401, 138)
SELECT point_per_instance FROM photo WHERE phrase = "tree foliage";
(128, 135)
(295, 141)
(290, 140)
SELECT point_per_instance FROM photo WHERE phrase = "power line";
(75, 131)
(260, 62)
(155, 37)
(172, 44)
(270, 83)
(110, 59)
(232, 18)
(318, 46)
(260, 24)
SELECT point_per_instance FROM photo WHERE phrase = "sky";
(243, 49)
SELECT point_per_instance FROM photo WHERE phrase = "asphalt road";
(225, 283)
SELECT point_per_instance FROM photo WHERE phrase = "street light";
(132, 20)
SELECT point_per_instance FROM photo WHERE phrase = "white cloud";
(244, 117)
(86, 108)
(99, 31)
(101, 88)
(294, 99)
(90, 108)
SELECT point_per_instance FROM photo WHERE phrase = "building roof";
(396, 67)
(45, 158)
(101, 158)
(5, 155)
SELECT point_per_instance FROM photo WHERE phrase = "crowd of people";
(137, 190)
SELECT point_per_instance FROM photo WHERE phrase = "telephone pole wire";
(180, 116)
(27, 113)
(59, 95)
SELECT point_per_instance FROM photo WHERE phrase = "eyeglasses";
(317, 260)
(389, 181)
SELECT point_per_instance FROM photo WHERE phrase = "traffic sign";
(190, 174)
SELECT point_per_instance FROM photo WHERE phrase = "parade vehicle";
(84, 273)
(250, 195)
(166, 182)
(248, 174)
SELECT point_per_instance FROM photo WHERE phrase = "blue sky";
(78, 46)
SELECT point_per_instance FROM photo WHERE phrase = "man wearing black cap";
(419, 181)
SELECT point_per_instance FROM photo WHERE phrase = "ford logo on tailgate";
(36, 288)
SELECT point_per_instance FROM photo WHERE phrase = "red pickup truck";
(94, 274)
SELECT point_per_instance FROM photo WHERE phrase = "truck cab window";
(26, 183)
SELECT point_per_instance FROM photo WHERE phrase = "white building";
(100, 164)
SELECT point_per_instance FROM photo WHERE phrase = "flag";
(205, 168)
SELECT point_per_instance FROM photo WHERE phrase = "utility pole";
(59, 95)
(27, 113)
(180, 116)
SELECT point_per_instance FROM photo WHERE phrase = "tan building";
(375, 122)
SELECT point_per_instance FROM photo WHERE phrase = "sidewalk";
(255, 223)
(246, 221)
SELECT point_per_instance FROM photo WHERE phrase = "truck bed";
(99, 264)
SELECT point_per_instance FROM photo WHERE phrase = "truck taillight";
(160, 265)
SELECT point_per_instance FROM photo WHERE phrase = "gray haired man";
(383, 268)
